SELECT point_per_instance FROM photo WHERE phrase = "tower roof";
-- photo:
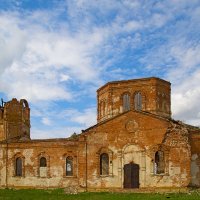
(135, 80)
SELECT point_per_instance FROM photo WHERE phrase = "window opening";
(104, 164)
(43, 162)
(159, 164)
(126, 102)
(19, 167)
(69, 166)
(138, 101)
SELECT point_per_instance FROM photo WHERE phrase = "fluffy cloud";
(64, 54)
(63, 132)
(46, 121)
(12, 41)
(74, 120)
(185, 99)
(39, 60)
(85, 118)
(42, 53)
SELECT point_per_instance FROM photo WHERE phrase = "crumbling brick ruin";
(135, 144)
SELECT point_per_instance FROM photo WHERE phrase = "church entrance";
(131, 175)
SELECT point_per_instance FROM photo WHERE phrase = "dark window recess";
(159, 162)
(104, 164)
(69, 166)
(138, 101)
(126, 102)
(18, 167)
(43, 162)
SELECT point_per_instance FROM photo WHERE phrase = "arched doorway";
(131, 175)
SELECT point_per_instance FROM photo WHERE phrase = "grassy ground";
(7, 194)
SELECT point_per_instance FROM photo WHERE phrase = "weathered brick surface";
(55, 151)
(126, 137)
(155, 97)
(138, 146)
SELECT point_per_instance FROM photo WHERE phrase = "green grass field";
(59, 194)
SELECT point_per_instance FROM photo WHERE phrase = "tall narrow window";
(43, 162)
(43, 170)
(104, 164)
(102, 108)
(69, 166)
(159, 167)
(138, 101)
(19, 166)
(126, 102)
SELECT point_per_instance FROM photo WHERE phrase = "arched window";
(24, 103)
(138, 101)
(126, 102)
(43, 162)
(18, 166)
(159, 164)
(104, 164)
(69, 166)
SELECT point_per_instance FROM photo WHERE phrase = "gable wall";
(135, 138)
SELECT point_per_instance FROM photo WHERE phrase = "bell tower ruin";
(14, 120)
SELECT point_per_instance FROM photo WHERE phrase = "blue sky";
(57, 53)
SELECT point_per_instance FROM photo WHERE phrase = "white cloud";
(38, 60)
(46, 121)
(132, 26)
(64, 77)
(45, 44)
(158, 20)
(187, 59)
(31, 86)
(63, 132)
(61, 123)
(42, 56)
(185, 99)
(44, 52)
(85, 118)
(12, 41)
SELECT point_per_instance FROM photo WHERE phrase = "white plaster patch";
(194, 156)
(176, 170)
(43, 171)
(115, 99)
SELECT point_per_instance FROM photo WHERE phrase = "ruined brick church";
(135, 144)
